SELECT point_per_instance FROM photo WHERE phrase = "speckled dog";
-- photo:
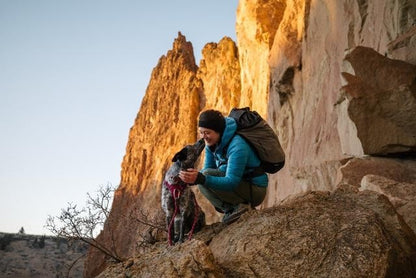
(183, 214)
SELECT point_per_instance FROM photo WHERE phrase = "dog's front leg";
(170, 211)
(181, 226)
(170, 228)
(178, 221)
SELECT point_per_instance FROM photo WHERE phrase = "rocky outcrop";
(319, 234)
(165, 123)
(401, 194)
(394, 178)
(191, 259)
(171, 104)
(219, 71)
(394, 169)
(322, 73)
(381, 95)
(256, 25)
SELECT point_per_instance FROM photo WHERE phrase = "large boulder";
(401, 194)
(394, 178)
(319, 234)
(191, 259)
(343, 234)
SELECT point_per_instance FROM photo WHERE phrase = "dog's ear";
(181, 155)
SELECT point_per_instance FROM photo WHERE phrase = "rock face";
(382, 102)
(307, 59)
(336, 81)
(165, 123)
(170, 105)
(319, 234)
(219, 71)
(256, 25)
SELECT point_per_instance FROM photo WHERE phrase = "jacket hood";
(229, 131)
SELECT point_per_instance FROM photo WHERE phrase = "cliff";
(337, 82)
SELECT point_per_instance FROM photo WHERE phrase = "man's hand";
(189, 176)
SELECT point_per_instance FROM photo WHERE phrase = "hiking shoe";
(233, 215)
(226, 216)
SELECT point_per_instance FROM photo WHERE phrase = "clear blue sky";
(72, 76)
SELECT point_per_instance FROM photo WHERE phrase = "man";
(227, 179)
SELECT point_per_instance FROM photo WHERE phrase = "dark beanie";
(212, 119)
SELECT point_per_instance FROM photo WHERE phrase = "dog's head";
(189, 154)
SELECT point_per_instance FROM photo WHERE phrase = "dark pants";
(226, 200)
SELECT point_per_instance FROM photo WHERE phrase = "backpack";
(261, 137)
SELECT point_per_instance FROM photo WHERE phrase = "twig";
(72, 264)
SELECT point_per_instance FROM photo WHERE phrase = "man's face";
(211, 137)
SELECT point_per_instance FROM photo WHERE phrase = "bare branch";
(83, 224)
(144, 219)
(73, 264)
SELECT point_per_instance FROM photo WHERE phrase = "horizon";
(72, 79)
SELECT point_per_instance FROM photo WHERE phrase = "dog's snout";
(200, 144)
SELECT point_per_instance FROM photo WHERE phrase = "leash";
(196, 214)
(176, 190)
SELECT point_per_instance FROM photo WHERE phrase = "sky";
(72, 76)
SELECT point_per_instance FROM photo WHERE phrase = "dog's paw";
(178, 239)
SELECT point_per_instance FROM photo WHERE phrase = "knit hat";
(212, 119)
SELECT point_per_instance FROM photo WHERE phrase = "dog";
(183, 214)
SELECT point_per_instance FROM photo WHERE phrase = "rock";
(343, 234)
(256, 25)
(401, 194)
(318, 234)
(191, 259)
(395, 178)
(129, 263)
(408, 213)
(382, 102)
(171, 104)
(399, 170)
(165, 123)
(306, 61)
(219, 71)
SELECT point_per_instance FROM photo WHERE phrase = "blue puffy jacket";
(240, 159)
